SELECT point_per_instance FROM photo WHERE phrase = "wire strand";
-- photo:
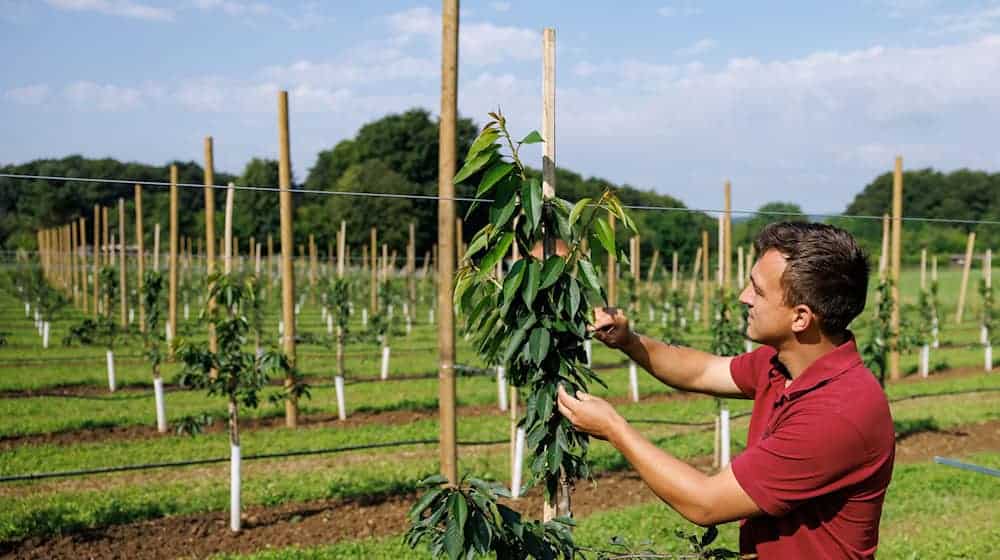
(430, 198)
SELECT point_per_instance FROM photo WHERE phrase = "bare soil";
(325, 522)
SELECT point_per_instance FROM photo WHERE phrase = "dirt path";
(317, 523)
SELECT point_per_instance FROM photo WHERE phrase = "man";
(821, 442)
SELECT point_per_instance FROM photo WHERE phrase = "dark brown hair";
(827, 270)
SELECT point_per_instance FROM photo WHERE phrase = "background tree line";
(398, 153)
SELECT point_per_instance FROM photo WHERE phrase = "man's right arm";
(680, 367)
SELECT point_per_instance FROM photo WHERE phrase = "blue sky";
(798, 101)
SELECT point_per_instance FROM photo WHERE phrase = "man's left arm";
(700, 498)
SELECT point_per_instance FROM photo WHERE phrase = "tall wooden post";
(83, 266)
(967, 265)
(704, 278)
(897, 239)
(209, 181)
(140, 256)
(883, 261)
(122, 274)
(558, 505)
(612, 270)
(97, 258)
(74, 248)
(313, 262)
(446, 238)
(373, 264)
(287, 250)
(172, 297)
(411, 267)
(673, 273)
(923, 269)
(341, 245)
(105, 238)
(727, 238)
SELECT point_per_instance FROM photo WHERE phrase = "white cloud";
(122, 8)
(700, 46)
(480, 43)
(234, 7)
(680, 8)
(500, 6)
(103, 97)
(35, 94)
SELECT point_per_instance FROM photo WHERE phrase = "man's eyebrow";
(756, 288)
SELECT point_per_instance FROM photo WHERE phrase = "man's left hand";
(589, 414)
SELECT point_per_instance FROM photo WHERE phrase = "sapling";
(727, 340)
(237, 375)
(875, 348)
(384, 322)
(534, 323)
(338, 297)
(104, 328)
(986, 291)
(152, 289)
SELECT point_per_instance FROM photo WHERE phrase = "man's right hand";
(611, 327)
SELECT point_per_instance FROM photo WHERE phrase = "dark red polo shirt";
(819, 456)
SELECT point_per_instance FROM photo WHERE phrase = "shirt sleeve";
(807, 456)
(749, 369)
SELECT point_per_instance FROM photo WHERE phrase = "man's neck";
(798, 353)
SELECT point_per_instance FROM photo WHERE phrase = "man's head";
(809, 278)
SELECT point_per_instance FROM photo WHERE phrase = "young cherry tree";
(152, 289)
(533, 321)
(338, 299)
(230, 371)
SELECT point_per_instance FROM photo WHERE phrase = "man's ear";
(803, 318)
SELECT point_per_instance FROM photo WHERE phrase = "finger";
(581, 396)
(564, 398)
(564, 410)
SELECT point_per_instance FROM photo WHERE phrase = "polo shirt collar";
(825, 368)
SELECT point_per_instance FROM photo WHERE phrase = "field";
(345, 489)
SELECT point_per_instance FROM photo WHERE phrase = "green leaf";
(589, 276)
(473, 165)
(531, 201)
(538, 345)
(425, 501)
(529, 289)
(605, 235)
(485, 140)
(478, 242)
(574, 297)
(512, 282)
(505, 203)
(533, 137)
(574, 215)
(454, 534)
(495, 254)
(553, 267)
(492, 175)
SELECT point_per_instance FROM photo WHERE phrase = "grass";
(931, 511)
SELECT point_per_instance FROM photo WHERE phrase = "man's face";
(769, 320)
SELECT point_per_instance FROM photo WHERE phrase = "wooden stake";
(122, 274)
(140, 256)
(673, 273)
(287, 249)
(341, 246)
(923, 269)
(967, 265)
(156, 247)
(652, 268)
(727, 238)
(107, 246)
(897, 241)
(213, 345)
(172, 298)
(227, 259)
(883, 261)
(74, 247)
(313, 262)
(612, 270)
(83, 265)
(373, 283)
(704, 278)
(446, 239)
(411, 267)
